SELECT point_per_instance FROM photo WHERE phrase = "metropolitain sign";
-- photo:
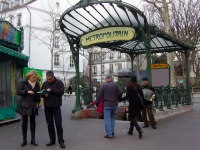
(108, 35)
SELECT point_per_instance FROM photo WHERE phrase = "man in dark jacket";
(109, 93)
(149, 95)
(54, 89)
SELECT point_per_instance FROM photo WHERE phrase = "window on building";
(19, 19)
(111, 55)
(103, 56)
(56, 60)
(119, 66)
(111, 68)
(119, 55)
(102, 69)
(56, 41)
(94, 57)
(94, 70)
(71, 61)
(22, 1)
(11, 19)
(57, 26)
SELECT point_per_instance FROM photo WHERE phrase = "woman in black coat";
(135, 105)
(27, 105)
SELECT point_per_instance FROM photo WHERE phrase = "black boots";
(33, 142)
(24, 143)
(140, 134)
(130, 132)
(24, 134)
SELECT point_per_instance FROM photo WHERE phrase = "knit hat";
(145, 79)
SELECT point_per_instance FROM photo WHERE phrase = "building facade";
(44, 43)
(105, 61)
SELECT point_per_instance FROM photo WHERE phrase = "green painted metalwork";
(86, 93)
(13, 53)
(171, 97)
(88, 16)
(74, 46)
(12, 62)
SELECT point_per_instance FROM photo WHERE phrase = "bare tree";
(50, 27)
(182, 19)
(185, 22)
(161, 9)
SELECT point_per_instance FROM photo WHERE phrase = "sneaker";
(113, 133)
(108, 137)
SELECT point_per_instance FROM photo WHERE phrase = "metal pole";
(90, 69)
(90, 76)
(187, 54)
(29, 38)
(132, 65)
(75, 51)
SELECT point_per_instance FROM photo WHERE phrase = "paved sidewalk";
(180, 132)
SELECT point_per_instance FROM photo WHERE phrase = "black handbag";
(36, 110)
(141, 100)
(18, 108)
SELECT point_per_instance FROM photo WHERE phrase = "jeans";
(109, 120)
(54, 115)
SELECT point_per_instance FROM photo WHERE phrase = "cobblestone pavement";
(180, 132)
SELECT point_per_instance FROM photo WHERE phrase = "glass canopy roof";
(92, 15)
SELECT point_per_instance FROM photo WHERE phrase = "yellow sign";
(108, 35)
(159, 66)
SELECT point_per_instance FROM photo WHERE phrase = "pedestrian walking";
(149, 96)
(69, 90)
(27, 104)
(109, 93)
(52, 102)
(135, 97)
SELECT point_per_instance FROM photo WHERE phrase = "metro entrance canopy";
(117, 26)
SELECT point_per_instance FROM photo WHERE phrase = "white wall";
(41, 22)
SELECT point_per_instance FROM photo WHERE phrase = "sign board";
(9, 33)
(109, 34)
(160, 74)
(156, 66)
(38, 71)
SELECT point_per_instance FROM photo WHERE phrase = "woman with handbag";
(27, 105)
(135, 97)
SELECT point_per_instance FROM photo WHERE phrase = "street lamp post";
(90, 50)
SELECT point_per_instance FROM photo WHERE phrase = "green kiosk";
(12, 62)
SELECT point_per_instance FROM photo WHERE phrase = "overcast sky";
(136, 3)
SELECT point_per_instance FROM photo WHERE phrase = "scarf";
(32, 83)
